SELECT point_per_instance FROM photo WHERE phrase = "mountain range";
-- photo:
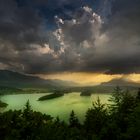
(15, 79)
(121, 82)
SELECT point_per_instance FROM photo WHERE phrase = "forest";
(119, 120)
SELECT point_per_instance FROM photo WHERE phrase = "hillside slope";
(15, 79)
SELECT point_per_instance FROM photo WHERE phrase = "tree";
(27, 107)
(96, 118)
(133, 128)
(116, 99)
(73, 120)
(123, 104)
(138, 96)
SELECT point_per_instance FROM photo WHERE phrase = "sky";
(86, 41)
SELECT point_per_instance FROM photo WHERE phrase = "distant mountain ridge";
(15, 79)
(120, 82)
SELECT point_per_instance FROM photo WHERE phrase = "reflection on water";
(61, 106)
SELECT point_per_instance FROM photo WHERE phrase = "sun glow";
(84, 78)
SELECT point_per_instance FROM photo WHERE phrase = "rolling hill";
(15, 79)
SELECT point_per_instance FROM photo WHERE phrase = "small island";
(2, 104)
(86, 93)
(50, 96)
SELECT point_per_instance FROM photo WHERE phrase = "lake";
(61, 106)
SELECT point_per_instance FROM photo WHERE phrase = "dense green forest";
(118, 121)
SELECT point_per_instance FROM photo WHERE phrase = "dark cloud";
(124, 32)
(48, 36)
(20, 25)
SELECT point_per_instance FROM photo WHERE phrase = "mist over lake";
(61, 106)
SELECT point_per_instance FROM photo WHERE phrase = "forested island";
(55, 94)
(2, 104)
(50, 96)
(118, 121)
(86, 93)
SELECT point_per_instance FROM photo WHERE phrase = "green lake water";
(61, 106)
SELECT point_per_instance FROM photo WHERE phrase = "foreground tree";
(96, 118)
(73, 120)
(122, 122)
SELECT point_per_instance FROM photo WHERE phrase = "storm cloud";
(75, 36)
